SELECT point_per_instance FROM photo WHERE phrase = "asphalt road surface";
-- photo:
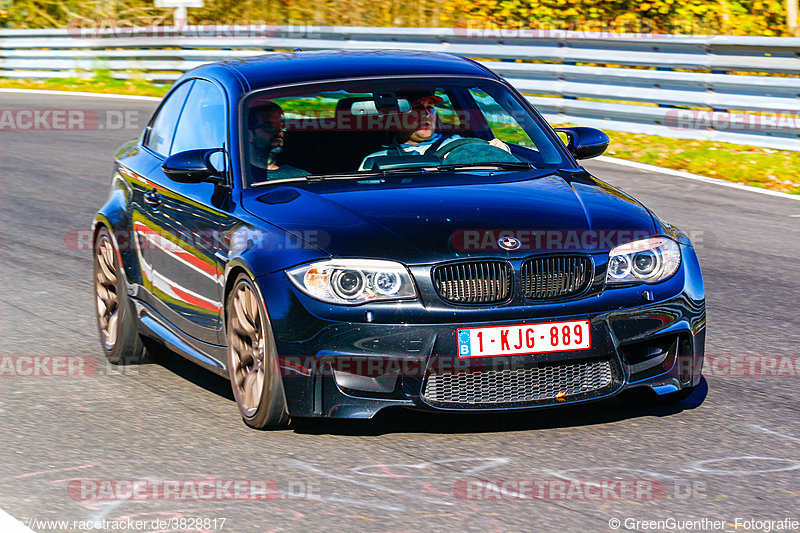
(728, 452)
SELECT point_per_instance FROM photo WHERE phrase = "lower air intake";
(545, 383)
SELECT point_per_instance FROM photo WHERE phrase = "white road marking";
(361, 503)
(10, 524)
(104, 509)
(704, 465)
(319, 471)
(569, 473)
(488, 462)
(695, 177)
(773, 432)
(80, 93)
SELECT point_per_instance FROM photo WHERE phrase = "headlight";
(648, 260)
(354, 281)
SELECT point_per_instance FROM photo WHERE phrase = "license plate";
(524, 339)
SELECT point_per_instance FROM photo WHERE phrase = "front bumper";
(337, 363)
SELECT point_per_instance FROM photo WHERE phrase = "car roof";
(276, 69)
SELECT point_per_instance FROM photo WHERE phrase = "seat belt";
(435, 146)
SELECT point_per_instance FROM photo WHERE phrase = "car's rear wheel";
(116, 320)
(252, 358)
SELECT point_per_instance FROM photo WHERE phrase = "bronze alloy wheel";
(252, 361)
(116, 318)
(105, 286)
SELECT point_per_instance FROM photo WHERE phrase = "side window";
(202, 123)
(503, 125)
(444, 109)
(163, 128)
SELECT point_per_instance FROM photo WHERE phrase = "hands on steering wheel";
(473, 150)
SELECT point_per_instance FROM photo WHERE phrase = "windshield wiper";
(342, 175)
(321, 177)
(417, 169)
(507, 165)
(380, 174)
(368, 174)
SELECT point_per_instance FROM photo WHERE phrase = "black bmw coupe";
(342, 232)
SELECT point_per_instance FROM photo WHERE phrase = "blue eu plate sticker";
(463, 343)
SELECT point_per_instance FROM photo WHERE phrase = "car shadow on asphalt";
(408, 421)
(399, 420)
(193, 373)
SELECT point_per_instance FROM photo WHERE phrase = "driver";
(421, 135)
(266, 133)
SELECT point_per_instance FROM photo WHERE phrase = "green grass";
(102, 82)
(759, 167)
(751, 165)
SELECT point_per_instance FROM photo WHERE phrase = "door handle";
(152, 198)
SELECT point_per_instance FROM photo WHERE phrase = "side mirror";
(585, 143)
(194, 166)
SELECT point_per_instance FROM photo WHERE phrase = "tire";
(116, 318)
(252, 358)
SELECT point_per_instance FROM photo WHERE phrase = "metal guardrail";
(734, 89)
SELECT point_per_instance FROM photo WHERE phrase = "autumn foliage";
(745, 17)
(742, 17)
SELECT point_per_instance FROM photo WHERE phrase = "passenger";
(421, 137)
(267, 135)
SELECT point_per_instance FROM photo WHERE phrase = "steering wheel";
(472, 150)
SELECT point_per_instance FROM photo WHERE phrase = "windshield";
(357, 128)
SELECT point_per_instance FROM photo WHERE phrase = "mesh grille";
(541, 384)
(474, 282)
(555, 276)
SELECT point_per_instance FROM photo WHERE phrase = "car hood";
(448, 216)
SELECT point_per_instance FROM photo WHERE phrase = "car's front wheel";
(252, 358)
(116, 320)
